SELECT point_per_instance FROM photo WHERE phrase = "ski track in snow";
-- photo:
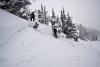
(12, 36)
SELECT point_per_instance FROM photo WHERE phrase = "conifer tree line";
(62, 22)
(88, 34)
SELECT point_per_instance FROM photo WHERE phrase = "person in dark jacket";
(55, 32)
(32, 16)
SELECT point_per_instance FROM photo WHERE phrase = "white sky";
(82, 11)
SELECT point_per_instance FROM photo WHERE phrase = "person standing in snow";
(32, 16)
(36, 22)
(55, 32)
(76, 35)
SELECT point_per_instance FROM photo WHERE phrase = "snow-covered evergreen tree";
(45, 15)
(14, 6)
(58, 21)
(63, 18)
(53, 19)
(68, 27)
(41, 7)
(42, 15)
(70, 30)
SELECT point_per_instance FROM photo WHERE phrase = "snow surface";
(22, 46)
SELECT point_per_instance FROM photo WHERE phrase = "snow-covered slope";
(9, 25)
(22, 46)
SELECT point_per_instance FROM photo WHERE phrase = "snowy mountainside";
(25, 47)
(9, 25)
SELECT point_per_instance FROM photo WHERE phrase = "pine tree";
(58, 21)
(59, 25)
(41, 7)
(45, 15)
(42, 15)
(53, 19)
(53, 13)
(63, 18)
(64, 15)
(70, 27)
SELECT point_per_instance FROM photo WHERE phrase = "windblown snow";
(22, 46)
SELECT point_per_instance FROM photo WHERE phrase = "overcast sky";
(86, 12)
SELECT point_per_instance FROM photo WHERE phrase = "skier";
(76, 36)
(55, 32)
(36, 25)
(32, 16)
